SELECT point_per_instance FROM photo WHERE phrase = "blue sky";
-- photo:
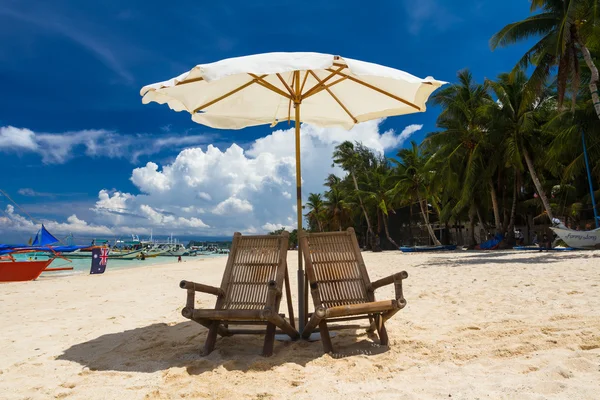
(71, 73)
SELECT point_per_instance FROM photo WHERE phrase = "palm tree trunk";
(426, 219)
(457, 233)
(410, 227)
(513, 210)
(595, 78)
(504, 210)
(471, 227)
(538, 184)
(495, 207)
(387, 232)
(482, 225)
(369, 228)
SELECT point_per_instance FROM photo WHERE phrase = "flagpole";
(587, 167)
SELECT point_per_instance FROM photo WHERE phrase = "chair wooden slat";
(341, 286)
(256, 267)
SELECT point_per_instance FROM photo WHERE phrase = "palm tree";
(337, 203)
(414, 182)
(466, 152)
(564, 26)
(352, 162)
(565, 155)
(380, 192)
(316, 213)
(566, 127)
(519, 118)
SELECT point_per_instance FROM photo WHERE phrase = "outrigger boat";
(419, 249)
(578, 239)
(114, 254)
(581, 239)
(13, 270)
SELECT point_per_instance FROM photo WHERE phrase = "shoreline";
(126, 265)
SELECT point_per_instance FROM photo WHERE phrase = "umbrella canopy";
(272, 87)
(258, 89)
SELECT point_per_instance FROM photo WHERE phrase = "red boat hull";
(19, 271)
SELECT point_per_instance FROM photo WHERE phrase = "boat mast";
(587, 167)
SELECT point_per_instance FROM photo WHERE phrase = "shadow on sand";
(495, 258)
(160, 346)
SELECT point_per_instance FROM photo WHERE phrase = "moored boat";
(578, 239)
(12, 270)
(538, 248)
(418, 249)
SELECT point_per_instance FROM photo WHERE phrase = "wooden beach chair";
(340, 286)
(250, 292)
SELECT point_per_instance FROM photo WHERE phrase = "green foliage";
(293, 239)
(503, 149)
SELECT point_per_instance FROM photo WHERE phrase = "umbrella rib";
(312, 89)
(210, 103)
(189, 81)
(289, 89)
(323, 87)
(334, 97)
(270, 86)
(393, 96)
(290, 101)
(303, 82)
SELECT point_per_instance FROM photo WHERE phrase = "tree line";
(503, 148)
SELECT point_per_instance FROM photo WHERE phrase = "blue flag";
(99, 260)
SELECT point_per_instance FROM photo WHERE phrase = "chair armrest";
(198, 287)
(396, 279)
(389, 280)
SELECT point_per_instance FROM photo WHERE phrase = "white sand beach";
(500, 325)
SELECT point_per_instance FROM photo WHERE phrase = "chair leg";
(221, 330)
(325, 338)
(371, 327)
(285, 326)
(383, 336)
(305, 299)
(312, 324)
(269, 340)
(211, 338)
(288, 296)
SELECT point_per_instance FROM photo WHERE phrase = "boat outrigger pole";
(587, 167)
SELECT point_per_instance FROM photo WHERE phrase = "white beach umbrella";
(319, 89)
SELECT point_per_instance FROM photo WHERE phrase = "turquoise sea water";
(83, 265)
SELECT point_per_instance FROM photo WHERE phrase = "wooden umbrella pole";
(301, 294)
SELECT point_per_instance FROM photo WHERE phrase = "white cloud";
(237, 190)
(58, 148)
(148, 179)
(32, 193)
(13, 222)
(269, 227)
(408, 132)
(232, 206)
(217, 192)
(16, 139)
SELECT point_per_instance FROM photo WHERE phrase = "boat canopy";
(54, 249)
(44, 238)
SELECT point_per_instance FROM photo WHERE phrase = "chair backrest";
(253, 262)
(335, 267)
